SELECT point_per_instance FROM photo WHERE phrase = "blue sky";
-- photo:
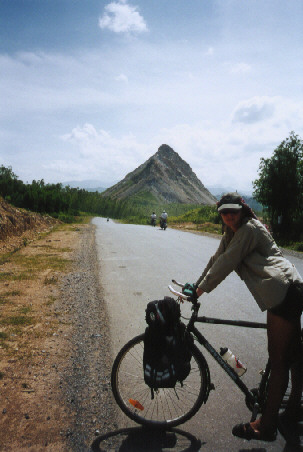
(91, 89)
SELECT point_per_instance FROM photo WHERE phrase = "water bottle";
(234, 362)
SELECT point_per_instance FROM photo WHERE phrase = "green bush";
(201, 215)
(65, 218)
(298, 246)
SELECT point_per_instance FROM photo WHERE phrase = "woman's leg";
(284, 339)
(293, 408)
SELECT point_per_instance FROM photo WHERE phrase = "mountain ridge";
(167, 177)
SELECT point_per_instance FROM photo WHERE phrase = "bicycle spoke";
(170, 406)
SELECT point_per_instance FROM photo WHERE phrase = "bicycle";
(169, 407)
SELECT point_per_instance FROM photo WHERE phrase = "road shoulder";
(55, 358)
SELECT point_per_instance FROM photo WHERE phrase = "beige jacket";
(253, 254)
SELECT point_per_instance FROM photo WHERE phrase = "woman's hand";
(199, 292)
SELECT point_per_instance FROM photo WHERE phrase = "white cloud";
(102, 155)
(240, 68)
(210, 51)
(82, 134)
(254, 110)
(121, 78)
(120, 17)
(274, 112)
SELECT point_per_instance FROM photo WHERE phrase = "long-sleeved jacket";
(253, 254)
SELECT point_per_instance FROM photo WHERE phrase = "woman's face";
(232, 218)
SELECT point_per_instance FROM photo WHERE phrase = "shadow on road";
(140, 439)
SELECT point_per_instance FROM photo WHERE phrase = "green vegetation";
(203, 214)
(205, 219)
(66, 203)
(40, 262)
(51, 280)
(13, 293)
(17, 320)
(30, 266)
(280, 189)
(19, 310)
(143, 214)
(25, 309)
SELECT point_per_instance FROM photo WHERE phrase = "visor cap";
(232, 201)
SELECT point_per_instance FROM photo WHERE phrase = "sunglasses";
(232, 211)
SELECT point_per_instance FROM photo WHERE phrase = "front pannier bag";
(167, 355)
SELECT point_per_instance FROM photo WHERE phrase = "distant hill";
(166, 177)
(256, 207)
(218, 191)
(88, 185)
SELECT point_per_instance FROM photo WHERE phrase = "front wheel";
(167, 407)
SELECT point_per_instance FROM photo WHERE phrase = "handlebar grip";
(190, 290)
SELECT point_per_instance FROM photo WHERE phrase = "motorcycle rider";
(153, 218)
(163, 217)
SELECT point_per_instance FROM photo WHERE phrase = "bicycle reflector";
(136, 404)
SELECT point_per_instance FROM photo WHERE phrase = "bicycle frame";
(172, 406)
(250, 397)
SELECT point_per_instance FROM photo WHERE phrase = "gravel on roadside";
(86, 377)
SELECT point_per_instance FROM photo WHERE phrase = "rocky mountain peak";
(166, 151)
(166, 176)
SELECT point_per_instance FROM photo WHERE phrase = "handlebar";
(177, 283)
(181, 295)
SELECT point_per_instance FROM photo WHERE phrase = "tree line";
(65, 202)
(56, 199)
(279, 189)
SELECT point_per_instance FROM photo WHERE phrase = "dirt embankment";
(17, 226)
(54, 358)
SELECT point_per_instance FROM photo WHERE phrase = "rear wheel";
(169, 406)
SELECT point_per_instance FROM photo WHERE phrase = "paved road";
(136, 265)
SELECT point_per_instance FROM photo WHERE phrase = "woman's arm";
(243, 243)
(220, 250)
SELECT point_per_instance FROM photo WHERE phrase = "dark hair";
(236, 198)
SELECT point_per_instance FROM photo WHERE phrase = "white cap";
(229, 206)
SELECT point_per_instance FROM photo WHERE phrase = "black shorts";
(292, 306)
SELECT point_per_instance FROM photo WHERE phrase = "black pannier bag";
(167, 355)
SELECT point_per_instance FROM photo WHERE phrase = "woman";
(248, 248)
